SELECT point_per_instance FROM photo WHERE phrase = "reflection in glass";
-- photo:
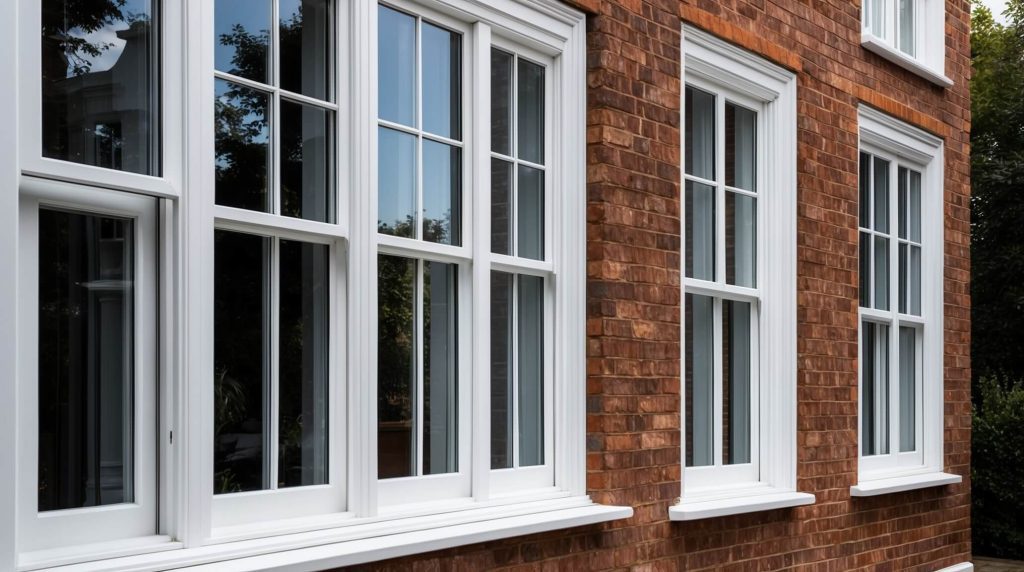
(242, 32)
(440, 384)
(243, 147)
(530, 213)
(915, 206)
(908, 388)
(442, 193)
(700, 231)
(305, 47)
(396, 65)
(530, 321)
(740, 239)
(307, 189)
(442, 82)
(901, 215)
(396, 183)
(740, 147)
(906, 20)
(396, 366)
(881, 273)
(501, 370)
(699, 151)
(501, 206)
(530, 106)
(241, 344)
(699, 380)
(881, 197)
(501, 101)
(86, 361)
(303, 371)
(736, 429)
(100, 84)
(903, 275)
(864, 182)
(874, 372)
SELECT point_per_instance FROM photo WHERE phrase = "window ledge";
(900, 484)
(695, 510)
(879, 46)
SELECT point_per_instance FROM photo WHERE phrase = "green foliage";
(998, 469)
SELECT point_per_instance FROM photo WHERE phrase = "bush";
(997, 472)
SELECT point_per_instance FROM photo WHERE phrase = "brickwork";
(633, 301)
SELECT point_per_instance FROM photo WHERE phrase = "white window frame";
(904, 145)
(770, 481)
(929, 37)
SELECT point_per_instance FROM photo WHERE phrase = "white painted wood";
(738, 505)
(898, 484)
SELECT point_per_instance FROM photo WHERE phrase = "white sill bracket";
(877, 487)
(710, 508)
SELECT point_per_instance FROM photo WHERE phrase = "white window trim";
(714, 61)
(930, 40)
(911, 146)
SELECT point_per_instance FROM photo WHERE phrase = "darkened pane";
(530, 358)
(243, 147)
(865, 270)
(914, 285)
(501, 370)
(530, 213)
(396, 366)
(914, 206)
(396, 183)
(307, 189)
(740, 147)
(699, 231)
(442, 82)
(881, 195)
(530, 107)
(304, 331)
(699, 380)
(901, 211)
(501, 206)
(100, 83)
(908, 389)
(241, 352)
(699, 134)
(306, 47)
(442, 193)
(874, 379)
(864, 182)
(903, 260)
(440, 383)
(242, 32)
(86, 342)
(501, 101)
(396, 61)
(881, 273)
(740, 239)
(736, 356)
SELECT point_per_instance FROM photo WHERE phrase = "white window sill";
(877, 487)
(360, 543)
(768, 500)
(879, 46)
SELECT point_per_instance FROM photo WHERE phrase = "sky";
(997, 7)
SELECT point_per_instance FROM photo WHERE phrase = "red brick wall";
(633, 299)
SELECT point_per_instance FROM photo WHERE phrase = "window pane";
(303, 372)
(903, 276)
(241, 344)
(740, 239)
(901, 214)
(864, 182)
(396, 183)
(915, 206)
(442, 193)
(881, 198)
(242, 146)
(740, 147)
(442, 82)
(531, 112)
(865, 270)
(86, 360)
(306, 47)
(908, 390)
(100, 84)
(501, 102)
(877, 8)
(242, 31)
(440, 385)
(307, 157)
(700, 382)
(396, 366)
(874, 412)
(501, 206)
(396, 87)
(501, 370)
(881, 272)
(736, 340)
(906, 18)
(700, 231)
(530, 213)
(531, 370)
(700, 133)
(915, 280)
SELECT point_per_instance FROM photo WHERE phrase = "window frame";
(929, 41)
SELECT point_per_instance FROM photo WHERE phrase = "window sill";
(899, 484)
(768, 500)
(369, 542)
(878, 46)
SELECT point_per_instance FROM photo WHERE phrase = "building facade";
(524, 284)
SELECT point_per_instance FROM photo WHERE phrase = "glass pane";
(306, 47)
(740, 147)
(241, 352)
(736, 356)
(86, 360)
(531, 370)
(396, 366)
(915, 206)
(442, 82)
(874, 403)
(700, 381)
(881, 198)
(906, 19)
(501, 102)
(700, 231)
(307, 158)
(303, 372)
(915, 280)
(100, 84)
(242, 32)
(740, 240)
(501, 206)
(908, 390)
(396, 61)
(530, 213)
(865, 270)
(699, 133)
(881, 272)
(501, 370)
(442, 193)
(903, 277)
(901, 214)
(877, 8)
(530, 106)
(440, 384)
(864, 182)
(396, 183)
(243, 147)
